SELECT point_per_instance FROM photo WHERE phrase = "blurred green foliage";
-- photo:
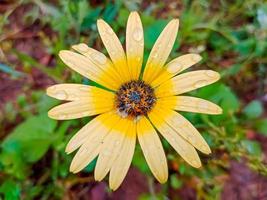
(231, 38)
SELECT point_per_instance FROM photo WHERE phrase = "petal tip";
(219, 110)
(163, 179)
(196, 57)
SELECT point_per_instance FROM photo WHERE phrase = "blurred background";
(231, 36)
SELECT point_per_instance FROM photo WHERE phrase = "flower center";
(135, 98)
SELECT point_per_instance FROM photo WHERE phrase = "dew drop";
(61, 94)
(183, 107)
(138, 34)
(138, 59)
(200, 83)
(155, 55)
(117, 143)
(84, 88)
(106, 153)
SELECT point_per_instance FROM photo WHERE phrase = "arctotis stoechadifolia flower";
(135, 104)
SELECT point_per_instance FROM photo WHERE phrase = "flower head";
(135, 104)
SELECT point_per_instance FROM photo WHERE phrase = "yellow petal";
(111, 148)
(90, 138)
(90, 131)
(183, 148)
(114, 49)
(87, 68)
(77, 92)
(191, 104)
(152, 149)
(160, 51)
(134, 44)
(83, 108)
(176, 66)
(121, 165)
(184, 128)
(101, 61)
(187, 82)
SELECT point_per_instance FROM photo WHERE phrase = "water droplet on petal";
(106, 153)
(84, 88)
(61, 94)
(117, 143)
(200, 83)
(138, 34)
(155, 55)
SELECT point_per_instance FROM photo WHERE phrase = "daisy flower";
(135, 104)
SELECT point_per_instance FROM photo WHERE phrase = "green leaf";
(90, 19)
(252, 147)
(27, 143)
(152, 32)
(110, 12)
(139, 160)
(10, 190)
(222, 95)
(175, 182)
(254, 109)
(91, 166)
(261, 126)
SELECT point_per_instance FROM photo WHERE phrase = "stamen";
(134, 99)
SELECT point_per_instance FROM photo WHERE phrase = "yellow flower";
(135, 103)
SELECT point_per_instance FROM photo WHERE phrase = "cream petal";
(160, 51)
(78, 109)
(111, 148)
(100, 61)
(77, 92)
(121, 165)
(183, 148)
(191, 104)
(152, 149)
(134, 44)
(87, 68)
(90, 131)
(114, 49)
(185, 129)
(187, 82)
(176, 66)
